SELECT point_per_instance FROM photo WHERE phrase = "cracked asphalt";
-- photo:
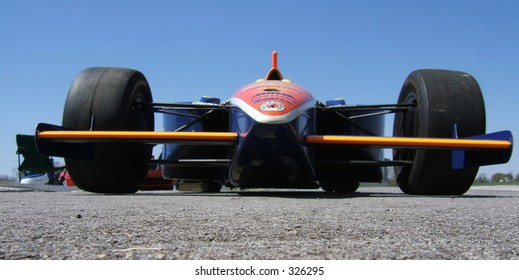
(374, 223)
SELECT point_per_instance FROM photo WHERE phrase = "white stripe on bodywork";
(268, 119)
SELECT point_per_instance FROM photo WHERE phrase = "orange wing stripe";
(202, 136)
(408, 142)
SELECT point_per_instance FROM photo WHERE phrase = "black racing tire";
(441, 99)
(342, 188)
(107, 99)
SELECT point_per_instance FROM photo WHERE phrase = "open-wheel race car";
(274, 134)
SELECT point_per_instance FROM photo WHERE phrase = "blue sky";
(359, 50)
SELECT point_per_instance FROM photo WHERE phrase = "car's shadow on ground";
(301, 194)
(362, 193)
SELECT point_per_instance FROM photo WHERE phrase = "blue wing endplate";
(472, 158)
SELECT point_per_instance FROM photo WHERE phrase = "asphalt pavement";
(374, 223)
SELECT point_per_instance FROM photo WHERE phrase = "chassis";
(274, 134)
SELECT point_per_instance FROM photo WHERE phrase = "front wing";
(493, 148)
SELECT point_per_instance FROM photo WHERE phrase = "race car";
(274, 134)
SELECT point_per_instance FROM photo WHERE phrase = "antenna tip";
(274, 59)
